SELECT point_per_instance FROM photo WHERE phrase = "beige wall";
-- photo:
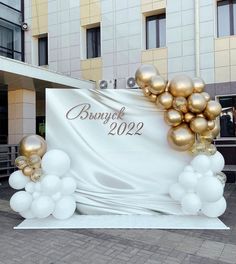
(39, 17)
(152, 5)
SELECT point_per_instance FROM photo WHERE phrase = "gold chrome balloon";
(198, 85)
(188, 117)
(197, 148)
(196, 103)
(164, 100)
(21, 162)
(36, 175)
(206, 96)
(33, 144)
(173, 117)
(216, 130)
(146, 91)
(27, 171)
(207, 136)
(210, 124)
(213, 109)
(181, 85)
(180, 103)
(152, 98)
(144, 74)
(34, 161)
(211, 149)
(181, 137)
(157, 84)
(198, 125)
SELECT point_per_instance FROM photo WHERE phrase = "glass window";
(43, 50)
(156, 31)
(93, 43)
(13, 3)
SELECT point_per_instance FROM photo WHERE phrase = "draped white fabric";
(116, 174)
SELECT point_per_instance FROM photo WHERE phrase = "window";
(93, 43)
(226, 18)
(156, 31)
(43, 50)
(228, 116)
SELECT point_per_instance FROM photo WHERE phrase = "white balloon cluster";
(53, 194)
(198, 189)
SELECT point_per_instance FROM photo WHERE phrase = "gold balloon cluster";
(31, 148)
(188, 109)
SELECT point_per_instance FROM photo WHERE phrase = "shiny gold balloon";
(198, 85)
(152, 98)
(206, 96)
(157, 84)
(180, 103)
(210, 124)
(36, 175)
(33, 144)
(181, 85)
(173, 117)
(21, 162)
(213, 109)
(164, 100)
(198, 148)
(188, 117)
(221, 177)
(27, 171)
(181, 137)
(216, 130)
(146, 91)
(34, 161)
(198, 125)
(211, 149)
(207, 136)
(196, 103)
(144, 74)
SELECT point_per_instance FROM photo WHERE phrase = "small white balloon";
(55, 162)
(20, 201)
(50, 184)
(188, 168)
(199, 175)
(176, 192)
(65, 208)
(68, 185)
(215, 209)
(27, 214)
(18, 180)
(38, 186)
(201, 163)
(43, 206)
(57, 196)
(36, 194)
(30, 187)
(209, 189)
(188, 179)
(191, 204)
(217, 162)
(209, 173)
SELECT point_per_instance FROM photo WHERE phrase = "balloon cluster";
(52, 193)
(200, 186)
(189, 110)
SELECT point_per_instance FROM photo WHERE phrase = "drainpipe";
(197, 39)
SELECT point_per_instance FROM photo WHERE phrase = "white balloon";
(64, 208)
(217, 162)
(214, 209)
(42, 207)
(199, 175)
(18, 180)
(20, 201)
(176, 192)
(38, 186)
(68, 185)
(27, 214)
(191, 204)
(36, 195)
(30, 187)
(201, 163)
(56, 196)
(209, 173)
(188, 179)
(50, 184)
(209, 189)
(55, 162)
(188, 168)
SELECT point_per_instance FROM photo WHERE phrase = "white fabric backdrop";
(115, 174)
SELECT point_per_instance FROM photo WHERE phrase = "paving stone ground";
(116, 246)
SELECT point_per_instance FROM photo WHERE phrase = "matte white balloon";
(50, 184)
(199, 175)
(38, 186)
(209, 173)
(27, 214)
(36, 194)
(176, 192)
(57, 196)
(65, 208)
(209, 189)
(215, 209)
(55, 162)
(188, 168)
(217, 162)
(68, 185)
(201, 163)
(191, 204)
(43, 206)
(20, 201)
(188, 179)
(30, 187)
(18, 180)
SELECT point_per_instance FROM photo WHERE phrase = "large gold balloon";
(27, 171)
(152, 98)
(181, 137)
(164, 100)
(144, 74)
(206, 96)
(180, 103)
(146, 91)
(33, 144)
(36, 175)
(21, 162)
(157, 84)
(34, 161)
(188, 117)
(198, 85)
(181, 85)
(196, 103)
(198, 125)
(173, 117)
(213, 109)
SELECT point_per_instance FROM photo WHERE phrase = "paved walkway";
(116, 246)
